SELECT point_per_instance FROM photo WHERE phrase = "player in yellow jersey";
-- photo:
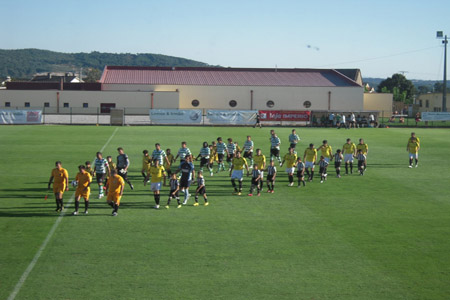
(83, 180)
(310, 157)
(60, 179)
(413, 135)
(349, 152)
(168, 163)
(413, 149)
(260, 160)
(237, 171)
(326, 151)
(290, 158)
(156, 173)
(364, 149)
(114, 187)
(146, 162)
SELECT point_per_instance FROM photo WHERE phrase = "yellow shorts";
(114, 197)
(59, 188)
(82, 192)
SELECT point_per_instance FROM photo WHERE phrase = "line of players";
(159, 163)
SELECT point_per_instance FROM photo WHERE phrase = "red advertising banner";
(284, 115)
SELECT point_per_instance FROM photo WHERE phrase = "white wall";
(218, 97)
(37, 98)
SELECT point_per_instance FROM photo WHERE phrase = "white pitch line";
(36, 257)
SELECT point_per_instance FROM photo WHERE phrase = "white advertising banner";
(176, 116)
(232, 117)
(436, 116)
(20, 116)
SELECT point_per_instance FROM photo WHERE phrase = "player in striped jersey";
(300, 172)
(275, 143)
(271, 175)
(183, 152)
(293, 139)
(256, 178)
(338, 157)
(290, 159)
(310, 157)
(361, 157)
(146, 162)
(237, 172)
(221, 150)
(174, 190)
(231, 150)
(365, 150)
(201, 189)
(248, 149)
(260, 160)
(326, 151)
(205, 153)
(349, 150)
(323, 164)
(160, 155)
(101, 169)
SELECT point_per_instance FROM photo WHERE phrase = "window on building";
(66, 104)
(270, 104)
(27, 104)
(195, 103)
(420, 103)
(307, 104)
(7, 104)
(427, 103)
(46, 104)
(85, 105)
(233, 103)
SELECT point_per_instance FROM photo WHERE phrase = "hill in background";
(24, 63)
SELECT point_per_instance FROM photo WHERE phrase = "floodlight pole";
(444, 94)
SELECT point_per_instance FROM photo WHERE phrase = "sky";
(380, 37)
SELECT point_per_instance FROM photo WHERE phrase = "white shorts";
(414, 155)
(262, 174)
(237, 174)
(309, 164)
(155, 186)
(290, 170)
(348, 157)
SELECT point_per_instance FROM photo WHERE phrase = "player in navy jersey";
(338, 157)
(122, 166)
(187, 174)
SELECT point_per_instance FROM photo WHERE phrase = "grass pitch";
(379, 236)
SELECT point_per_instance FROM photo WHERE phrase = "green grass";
(384, 235)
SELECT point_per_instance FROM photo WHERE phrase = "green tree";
(423, 89)
(93, 75)
(402, 88)
(439, 87)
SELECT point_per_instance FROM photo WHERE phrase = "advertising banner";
(284, 115)
(232, 117)
(436, 116)
(20, 116)
(176, 116)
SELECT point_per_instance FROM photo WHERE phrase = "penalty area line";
(36, 257)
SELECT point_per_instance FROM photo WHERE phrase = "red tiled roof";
(224, 76)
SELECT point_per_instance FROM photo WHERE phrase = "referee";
(122, 166)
